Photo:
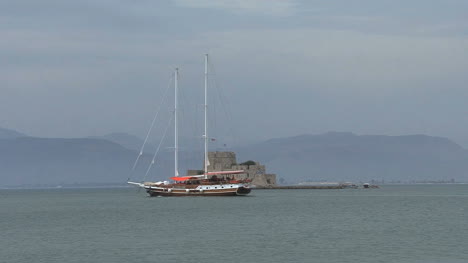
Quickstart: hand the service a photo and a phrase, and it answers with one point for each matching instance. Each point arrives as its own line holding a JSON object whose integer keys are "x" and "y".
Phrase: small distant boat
{"x": 218, "y": 183}
{"x": 367, "y": 185}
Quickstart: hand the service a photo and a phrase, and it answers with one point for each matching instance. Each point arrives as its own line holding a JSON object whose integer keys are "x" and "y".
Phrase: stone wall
{"x": 226, "y": 161}
{"x": 221, "y": 161}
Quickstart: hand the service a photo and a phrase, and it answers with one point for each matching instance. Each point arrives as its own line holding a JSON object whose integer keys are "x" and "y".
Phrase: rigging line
{"x": 219, "y": 92}
{"x": 214, "y": 104}
{"x": 225, "y": 105}
{"x": 184, "y": 116}
{"x": 151, "y": 127}
{"x": 188, "y": 125}
{"x": 214, "y": 114}
{"x": 159, "y": 147}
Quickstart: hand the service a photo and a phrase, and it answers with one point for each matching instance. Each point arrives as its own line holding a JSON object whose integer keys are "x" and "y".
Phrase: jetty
{"x": 303, "y": 187}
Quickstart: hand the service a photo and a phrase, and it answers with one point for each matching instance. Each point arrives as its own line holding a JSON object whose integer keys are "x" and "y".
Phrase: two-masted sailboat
{"x": 213, "y": 183}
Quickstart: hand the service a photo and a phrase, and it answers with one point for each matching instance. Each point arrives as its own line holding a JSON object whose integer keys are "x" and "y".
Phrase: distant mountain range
{"x": 41, "y": 161}
{"x": 10, "y": 134}
{"x": 128, "y": 141}
{"x": 338, "y": 156}
{"x": 331, "y": 156}
{"x": 32, "y": 161}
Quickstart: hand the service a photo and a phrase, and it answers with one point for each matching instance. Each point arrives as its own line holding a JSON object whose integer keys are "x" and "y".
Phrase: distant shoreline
{"x": 301, "y": 187}
{"x": 282, "y": 187}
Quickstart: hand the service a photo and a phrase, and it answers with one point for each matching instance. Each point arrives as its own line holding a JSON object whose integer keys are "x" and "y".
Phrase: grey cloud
{"x": 261, "y": 7}
{"x": 79, "y": 68}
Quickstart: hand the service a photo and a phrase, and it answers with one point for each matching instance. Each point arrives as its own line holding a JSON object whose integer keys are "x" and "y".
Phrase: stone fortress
{"x": 226, "y": 161}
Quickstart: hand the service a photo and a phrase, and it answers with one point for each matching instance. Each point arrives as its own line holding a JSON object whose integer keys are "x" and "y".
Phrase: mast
{"x": 176, "y": 146}
{"x": 205, "y": 136}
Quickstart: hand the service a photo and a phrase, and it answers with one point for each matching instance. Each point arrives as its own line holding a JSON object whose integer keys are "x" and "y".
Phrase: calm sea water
{"x": 407, "y": 224}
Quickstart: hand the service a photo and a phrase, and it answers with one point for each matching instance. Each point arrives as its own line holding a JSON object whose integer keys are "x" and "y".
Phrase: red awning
{"x": 183, "y": 178}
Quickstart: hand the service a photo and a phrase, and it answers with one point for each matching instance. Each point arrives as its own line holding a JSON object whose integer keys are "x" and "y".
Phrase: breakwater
{"x": 303, "y": 187}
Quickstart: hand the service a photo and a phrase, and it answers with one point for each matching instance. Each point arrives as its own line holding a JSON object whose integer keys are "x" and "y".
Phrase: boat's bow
{"x": 137, "y": 184}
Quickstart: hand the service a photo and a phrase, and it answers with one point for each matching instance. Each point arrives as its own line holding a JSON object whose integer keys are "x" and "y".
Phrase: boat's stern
{"x": 243, "y": 190}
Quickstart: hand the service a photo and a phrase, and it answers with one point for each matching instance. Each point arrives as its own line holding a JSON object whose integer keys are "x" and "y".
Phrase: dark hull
{"x": 226, "y": 192}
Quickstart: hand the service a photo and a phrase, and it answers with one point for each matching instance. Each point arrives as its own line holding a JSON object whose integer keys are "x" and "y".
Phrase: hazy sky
{"x": 91, "y": 67}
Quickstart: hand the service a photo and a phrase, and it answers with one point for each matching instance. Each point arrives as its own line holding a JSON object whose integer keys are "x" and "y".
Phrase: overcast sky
{"x": 91, "y": 67}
